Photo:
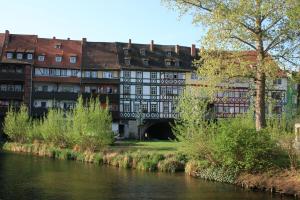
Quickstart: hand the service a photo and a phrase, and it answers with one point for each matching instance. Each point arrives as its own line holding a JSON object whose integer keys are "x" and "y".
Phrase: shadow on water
{"x": 28, "y": 177}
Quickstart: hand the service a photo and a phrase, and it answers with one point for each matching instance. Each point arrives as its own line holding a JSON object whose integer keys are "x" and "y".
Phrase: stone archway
{"x": 160, "y": 130}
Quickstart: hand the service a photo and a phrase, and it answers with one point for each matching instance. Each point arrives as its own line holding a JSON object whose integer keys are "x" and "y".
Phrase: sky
{"x": 100, "y": 20}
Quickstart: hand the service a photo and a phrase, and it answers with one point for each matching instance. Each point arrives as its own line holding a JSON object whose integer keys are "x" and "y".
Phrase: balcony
{"x": 55, "y": 95}
{"x": 38, "y": 112}
{"x": 100, "y": 80}
{"x": 5, "y": 76}
{"x": 11, "y": 95}
{"x": 113, "y": 98}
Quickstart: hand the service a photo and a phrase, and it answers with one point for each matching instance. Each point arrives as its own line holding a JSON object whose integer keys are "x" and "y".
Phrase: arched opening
{"x": 160, "y": 131}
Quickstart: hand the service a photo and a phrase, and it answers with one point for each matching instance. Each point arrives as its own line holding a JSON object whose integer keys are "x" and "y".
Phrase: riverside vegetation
{"x": 230, "y": 150}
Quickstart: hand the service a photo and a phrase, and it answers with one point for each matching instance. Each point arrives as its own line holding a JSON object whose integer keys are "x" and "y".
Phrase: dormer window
{"x": 168, "y": 62}
{"x": 126, "y": 51}
{"x": 9, "y": 55}
{"x": 58, "y": 58}
{"x": 57, "y": 46}
{"x": 41, "y": 58}
{"x": 73, "y": 59}
{"x": 143, "y": 52}
{"x": 29, "y": 56}
{"x": 146, "y": 62}
{"x": 169, "y": 53}
{"x": 127, "y": 61}
{"x": 19, "y": 56}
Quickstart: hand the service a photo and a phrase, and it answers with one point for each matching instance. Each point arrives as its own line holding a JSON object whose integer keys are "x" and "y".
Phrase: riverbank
{"x": 283, "y": 182}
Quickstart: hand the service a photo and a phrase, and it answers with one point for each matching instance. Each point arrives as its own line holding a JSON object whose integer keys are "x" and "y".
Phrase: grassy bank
{"x": 165, "y": 157}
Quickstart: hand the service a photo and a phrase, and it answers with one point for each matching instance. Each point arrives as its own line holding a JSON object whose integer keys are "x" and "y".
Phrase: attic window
{"x": 168, "y": 62}
{"x": 57, "y": 46}
{"x": 19, "y": 56}
{"x": 127, "y": 61}
{"x": 146, "y": 62}
{"x": 126, "y": 51}
{"x": 9, "y": 55}
{"x": 41, "y": 58}
{"x": 58, "y": 58}
{"x": 169, "y": 53}
{"x": 72, "y": 59}
{"x": 29, "y": 56}
{"x": 143, "y": 52}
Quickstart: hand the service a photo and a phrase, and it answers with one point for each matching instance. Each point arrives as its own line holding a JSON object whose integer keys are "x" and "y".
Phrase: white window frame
{"x": 29, "y": 56}
{"x": 9, "y": 55}
{"x": 126, "y": 107}
{"x": 126, "y": 74}
{"x": 107, "y": 74}
{"x": 19, "y": 56}
{"x": 73, "y": 59}
{"x": 41, "y": 58}
{"x": 58, "y": 59}
{"x": 139, "y": 74}
{"x": 139, "y": 90}
{"x": 153, "y": 90}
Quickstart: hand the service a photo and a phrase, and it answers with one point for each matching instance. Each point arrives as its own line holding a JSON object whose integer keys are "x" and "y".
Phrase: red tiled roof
{"x": 68, "y": 48}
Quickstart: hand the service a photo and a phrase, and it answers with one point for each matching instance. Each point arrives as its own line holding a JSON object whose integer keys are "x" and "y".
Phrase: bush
{"x": 17, "y": 124}
{"x": 239, "y": 146}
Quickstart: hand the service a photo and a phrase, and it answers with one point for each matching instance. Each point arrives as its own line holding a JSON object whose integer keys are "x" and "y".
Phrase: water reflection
{"x": 29, "y": 177}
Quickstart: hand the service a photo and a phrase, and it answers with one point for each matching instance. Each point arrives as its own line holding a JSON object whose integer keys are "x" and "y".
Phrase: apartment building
{"x": 140, "y": 83}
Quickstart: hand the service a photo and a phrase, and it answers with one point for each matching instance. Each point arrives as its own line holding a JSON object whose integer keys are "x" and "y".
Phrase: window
{"x": 107, "y": 75}
{"x": 44, "y": 71}
{"x": 19, "y": 56}
{"x": 41, "y": 58}
{"x": 194, "y": 76}
{"x": 19, "y": 70}
{"x": 166, "y": 107}
{"x": 136, "y": 107}
{"x": 94, "y": 74}
{"x": 277, "y": 81}
{"x": 144, "y": 108}
{"x": 153, "y": 90}
{"x": 153, "y": 75}
{"x": 58, "y": 58}
{"x": 138, "y": 90}
{"x": 64, "y": 72}
{"x": 153, "y": 108}
{"x": 126, "y": 51}
{"x": 126, "y": 74}
{"x": 9, "y": 55}
{"x": 169, "y": 53}
{"x": 52, "y": 72}
{"x": 127, "y": 61}
{"x": 163, "y": 91}
{"x": 126, "y": 107}
{"x": 73, "y": 59}
{"x": 57, "y": 46}
{"x": 139, "y": 74}
{"x": 177, "y": 63}
{"x": 45, "y": 88}
{"x": 276, "y": 95}
{"x": 87, "y": 74}
{"x": 146, "y": 62}
{"x": 109, "y": 90}
{"x": 143, "y": 52}
{"x": 169, "y": 90}
{"x": 74, "y": 72}
{"x": 126, "y": 89}
{"x": 43, "y": 104}
{"x": 29, "y": 56}
{"x": 168, "y": 63}
{"x": 3, "y": 87}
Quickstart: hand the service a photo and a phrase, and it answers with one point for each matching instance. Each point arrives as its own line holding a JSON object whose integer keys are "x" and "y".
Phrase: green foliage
{"x": 17, "y": 124}
{"x": 239, "y": 146}
{"x": 88, "y": 126}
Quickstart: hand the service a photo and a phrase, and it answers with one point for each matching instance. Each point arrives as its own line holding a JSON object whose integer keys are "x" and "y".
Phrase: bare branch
{"x": 197, "y": 5}
{"x": 243, "y": 41}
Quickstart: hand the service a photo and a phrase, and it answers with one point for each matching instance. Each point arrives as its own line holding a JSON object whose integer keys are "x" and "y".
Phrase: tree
{"x": 240, "y": 30}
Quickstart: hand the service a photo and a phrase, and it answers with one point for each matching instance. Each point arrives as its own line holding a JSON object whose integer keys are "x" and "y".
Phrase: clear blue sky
{"x": 99, "y": 20}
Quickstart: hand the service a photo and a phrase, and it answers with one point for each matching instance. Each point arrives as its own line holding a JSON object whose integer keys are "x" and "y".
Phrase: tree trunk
{"x": 260, "y": 115}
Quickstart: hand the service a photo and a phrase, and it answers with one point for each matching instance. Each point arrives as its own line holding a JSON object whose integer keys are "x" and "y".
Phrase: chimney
{"x": 68, "y": 38}
{"x": 6, "y": 37}
{"x": 129, "y": 43}
{"x": 152, "y": 45}
{"x": 54, "y": 37}
{"x": 84, "y": 40}
{"x": 177, "y": 49}
{"x": 193, "y": 50}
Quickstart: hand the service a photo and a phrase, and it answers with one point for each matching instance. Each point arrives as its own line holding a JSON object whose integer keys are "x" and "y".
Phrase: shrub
{"x": 17, "y": 124}
{"x": 239, "y": 146}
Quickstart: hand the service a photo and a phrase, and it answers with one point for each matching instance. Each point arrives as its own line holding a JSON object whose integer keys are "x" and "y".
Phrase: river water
{"x": 29, "y": 177}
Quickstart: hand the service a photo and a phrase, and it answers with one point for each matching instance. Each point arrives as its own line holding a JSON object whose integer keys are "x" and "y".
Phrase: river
{"x": 24, "y": 177}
